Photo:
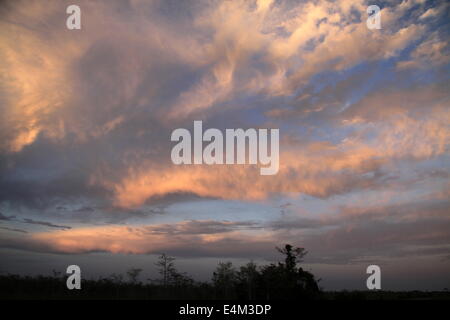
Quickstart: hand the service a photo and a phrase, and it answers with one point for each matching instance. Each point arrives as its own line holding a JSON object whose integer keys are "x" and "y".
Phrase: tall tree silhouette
{"x": 166, "y": 268}
{"x": 293, "y": 256}
{"x": 224, "y": 280}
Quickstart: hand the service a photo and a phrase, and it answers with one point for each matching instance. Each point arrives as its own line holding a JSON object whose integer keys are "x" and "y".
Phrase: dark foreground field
{"x": 42, "y": 288}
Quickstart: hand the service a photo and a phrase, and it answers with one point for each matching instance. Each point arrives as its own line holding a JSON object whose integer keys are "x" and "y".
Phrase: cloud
{"x": 44, "y": 223}
{"x": 14, "y": 229}
{"x": 433, "y": 52}
{"x": 414, "y": 229}
{"x": 430, "y": 13}
{"x": 319, "y": 169}
{"x": 192, "y": 238}
{"x": 64, "y": 107}
{"x": 199, "y": 227}
{"x": 411, "y": 229}
{"x": 31, "y": 221}
{"x": 6, "y": 218}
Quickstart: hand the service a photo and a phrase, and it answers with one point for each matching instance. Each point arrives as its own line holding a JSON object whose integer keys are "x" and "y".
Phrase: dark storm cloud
{"x": 31, "y": 221}
{"x": 44, "y": 223}
{"x": 6, "y": 218}
{"x": 14, "y": 229}
{"x": 46, "y": 172}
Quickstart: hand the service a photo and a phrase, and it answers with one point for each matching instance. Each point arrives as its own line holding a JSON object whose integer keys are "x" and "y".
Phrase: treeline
{"x": 283, "y": 280}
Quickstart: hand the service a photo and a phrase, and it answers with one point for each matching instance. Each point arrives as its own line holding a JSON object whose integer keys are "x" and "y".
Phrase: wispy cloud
{"x": 31, "y": 221}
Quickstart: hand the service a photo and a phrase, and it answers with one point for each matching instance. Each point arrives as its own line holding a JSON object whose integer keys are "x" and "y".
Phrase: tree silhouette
{"x": 287, "y": 280}
{"x": 169, "y": 274}
{"x": 133, "y": 274}
{"x": 248, "y": 276}
{"x": 166, "y": 268}
{"x": 224, "y": 280}
{"x": 281, "y": 280}
{"x": 293, "y": 256}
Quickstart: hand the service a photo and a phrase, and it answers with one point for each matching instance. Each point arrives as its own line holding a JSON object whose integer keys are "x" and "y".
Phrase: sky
{"x": 86, "y": 175}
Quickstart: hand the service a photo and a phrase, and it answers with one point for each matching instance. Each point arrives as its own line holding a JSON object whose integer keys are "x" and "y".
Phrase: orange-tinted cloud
{"x": 148, "y": 239}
